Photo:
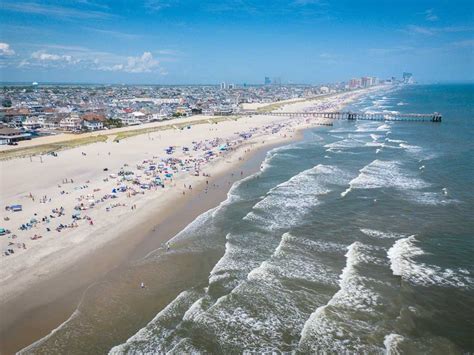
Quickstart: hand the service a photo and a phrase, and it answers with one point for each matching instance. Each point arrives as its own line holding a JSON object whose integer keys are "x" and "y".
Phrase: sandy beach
{"x": 106, "y": 197}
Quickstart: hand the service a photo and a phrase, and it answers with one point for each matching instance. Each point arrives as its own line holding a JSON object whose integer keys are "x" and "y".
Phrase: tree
{"x": 7, "y": 103}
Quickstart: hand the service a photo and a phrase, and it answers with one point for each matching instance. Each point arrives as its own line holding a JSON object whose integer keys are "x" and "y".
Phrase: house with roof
{"x": 31, "y": 123}
{"x": 53, "y": 122}
{"x": 11, "y": 135}
{"x": 93, "y": 121}
{"x": 72, "y": 123}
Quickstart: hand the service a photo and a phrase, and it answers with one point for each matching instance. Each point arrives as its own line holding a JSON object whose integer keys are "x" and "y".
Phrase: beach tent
{"x": 16, "y": 208}
{"x": 3, "y": 231}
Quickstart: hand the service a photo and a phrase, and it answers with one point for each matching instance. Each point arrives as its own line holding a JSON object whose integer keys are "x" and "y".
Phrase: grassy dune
{"x": 50, "y": 147}
{"x": 132, "y": 133}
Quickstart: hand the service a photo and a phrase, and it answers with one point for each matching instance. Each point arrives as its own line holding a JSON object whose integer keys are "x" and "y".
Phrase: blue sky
{"x": 240, "y": 41}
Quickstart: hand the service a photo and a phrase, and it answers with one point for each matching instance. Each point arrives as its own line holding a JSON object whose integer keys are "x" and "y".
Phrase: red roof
{"x": 93, "y": 117}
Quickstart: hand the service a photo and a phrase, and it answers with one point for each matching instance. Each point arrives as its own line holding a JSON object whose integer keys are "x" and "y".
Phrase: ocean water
{"x": 357, "y": 239}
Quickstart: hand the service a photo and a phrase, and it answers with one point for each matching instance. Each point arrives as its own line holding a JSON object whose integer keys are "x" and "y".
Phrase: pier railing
{"x": 374, "y": 116}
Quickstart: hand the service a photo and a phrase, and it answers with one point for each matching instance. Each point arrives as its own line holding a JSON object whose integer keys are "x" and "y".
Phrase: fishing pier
{"x": 352, "y": 116}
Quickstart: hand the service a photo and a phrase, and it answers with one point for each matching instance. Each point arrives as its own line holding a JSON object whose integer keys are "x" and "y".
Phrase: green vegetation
{"x": 132, "y": 133}
{"x": 50, "y": 147}
{"x": 177, "y": 125}
{"x": 276, "y": 106}
{"x": 7, "y": 103}
{"x": 54, "y": 147}
{"x": 113, "y": 123}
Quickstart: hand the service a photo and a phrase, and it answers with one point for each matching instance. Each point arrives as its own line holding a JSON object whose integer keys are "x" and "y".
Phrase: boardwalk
{"x": 382, "y": 116}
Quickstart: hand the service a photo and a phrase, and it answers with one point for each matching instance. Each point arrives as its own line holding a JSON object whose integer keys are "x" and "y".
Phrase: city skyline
{"x": 175, "y": 42}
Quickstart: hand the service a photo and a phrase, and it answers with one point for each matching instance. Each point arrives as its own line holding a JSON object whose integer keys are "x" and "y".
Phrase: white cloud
{"x": 306, "y": 2}
{"x": 171, "y": 52}
{"x": 116, "y": 34}
{"x": 5, "y": 49}
{"x": 429, "y": 31}
{"x": 82, "y": 58}
{"x": 420, "y": 30}
{"x": 157, "y": 5}
{"x": 142, "y": 64}
{"x": 45, "y": 56}
{"x": 50, "y": 57}
{"x": 430, "y": 15}
{"x": 53, "y": 11}
{"x": 465, "y": 44}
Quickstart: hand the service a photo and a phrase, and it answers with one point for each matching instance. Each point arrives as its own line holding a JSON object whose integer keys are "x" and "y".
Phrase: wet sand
{"x": 35, "y": 314}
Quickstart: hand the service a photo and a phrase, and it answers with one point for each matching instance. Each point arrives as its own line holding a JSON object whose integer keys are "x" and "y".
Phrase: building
{"x": 93, "y": 121}
{"x": 223, "y": 85}
{"x": 408, "y": 78}
{"x": 72, "y": 123}
{"x": 31, "y": 123}
{"x": 324, "y": 90}
{"x": 366, "y": 81}
{"x": 355, "y": 83}
{"x": 12, "y": 135}
{"x": 129, "y": 120}
{"x": 53, "y": 122}
{"x": 267, "y": 81}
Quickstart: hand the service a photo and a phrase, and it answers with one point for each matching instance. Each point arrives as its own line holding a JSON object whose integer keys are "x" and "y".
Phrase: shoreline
{"x": 163, "y": 230}
{"x": 68, "y": 278}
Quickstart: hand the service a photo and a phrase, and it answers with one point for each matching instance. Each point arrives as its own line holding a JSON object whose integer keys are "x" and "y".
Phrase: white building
{"x": 71, "y": 123}
{"x": 32, "y": 123}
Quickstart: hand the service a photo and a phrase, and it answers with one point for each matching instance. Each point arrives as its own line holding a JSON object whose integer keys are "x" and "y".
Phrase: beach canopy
{"x": 2, "y": 231}
{"x": 16, "y": 208}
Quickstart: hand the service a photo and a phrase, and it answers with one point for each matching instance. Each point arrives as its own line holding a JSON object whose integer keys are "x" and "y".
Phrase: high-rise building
{"x": 223, "y": 86}
{"x": 366, "y": 81}
{"x": 267, "y": 81}
{"x": 408, "y": 78}
{"x": 355, "y": 83}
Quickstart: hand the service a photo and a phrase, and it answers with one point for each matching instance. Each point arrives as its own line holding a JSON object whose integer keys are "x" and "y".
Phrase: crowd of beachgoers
{"x": 72, "y": 206}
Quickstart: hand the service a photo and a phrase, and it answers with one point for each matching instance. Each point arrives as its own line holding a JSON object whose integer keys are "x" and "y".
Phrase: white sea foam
{"x": 367, "y": 126}
{"x": 395, "y": 140}
{"x": 294, "y": 259}
{"x": 403, "y": 255}
{"x": 332, "y": 327}
{"x": 392, "y": 342}
{"x": 382, "y": 235}
{"x": 284, "y": 206}
{"x": 288, "y": 202}
{"x": 385, "y": 127}
{"x": 385, "y": 174}
{"x": 348, "y": 143}
{"x": 430, "y": 198}
{"x": 375, "y": 136}
{"x": 158, "y": 336}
